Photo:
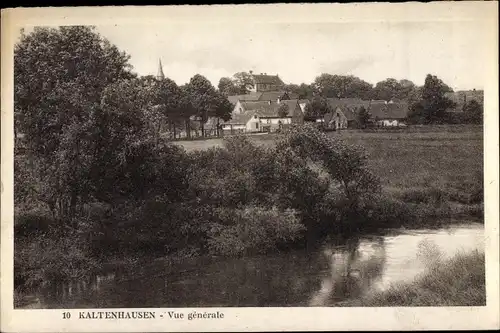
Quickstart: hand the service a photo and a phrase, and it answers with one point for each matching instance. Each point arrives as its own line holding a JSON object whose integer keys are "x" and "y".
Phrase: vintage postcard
{"x": 250, "y": 168}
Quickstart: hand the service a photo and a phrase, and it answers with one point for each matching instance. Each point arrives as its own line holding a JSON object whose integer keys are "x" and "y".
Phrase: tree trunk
{"x": 72, "y": 208}
{"x": 188, "y": 128}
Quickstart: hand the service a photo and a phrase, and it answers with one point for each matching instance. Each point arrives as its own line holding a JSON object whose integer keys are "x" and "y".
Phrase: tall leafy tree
{"x": 186, "y": 110}
{"x": 228, "y": 87}
{"x": 203, "y": 97}
{"x": 387, "y": 89}
{"x": 60, "y": 75}
{"x": 432, "y": 106}
{"x": 223, "y": 110}
{"x": 243, "y": 81}
{"x": 363, "y": 117}
{"x": 168, "y": 101}
{"x": 393, "y": 89}
{"x": 340, "y": 86}
{"x": 473, "y": 112}
{"x": 304, "y": 91}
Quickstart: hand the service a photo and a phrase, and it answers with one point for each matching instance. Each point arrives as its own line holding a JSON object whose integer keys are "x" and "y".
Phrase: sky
{"x": 300, "y": 51}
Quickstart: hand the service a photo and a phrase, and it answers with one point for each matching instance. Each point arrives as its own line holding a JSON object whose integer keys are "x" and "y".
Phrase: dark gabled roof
{"x": 266, "y": 109}
{"x": 378, "y": 110}
{"x": 267, "y": 79}
{"x": 293, "y": 106}
{"x": 388, "y": 111}
{"x": 397, "y": 110}
{"x": 272, "y": 95}
{"x": 241, "y": 118}
{"x": 253, "y": 96}
{"x": 348, "y": 102}
{"x": 349, "y": 112}
{"x": 254, "y": 105}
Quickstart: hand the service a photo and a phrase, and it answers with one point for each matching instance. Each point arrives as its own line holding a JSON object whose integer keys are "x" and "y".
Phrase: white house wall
{"x": 253, "y": 125}
{"x": 238, "y": 108}
{"x": 389, "y": 123}
{"x": 275, "y": 121}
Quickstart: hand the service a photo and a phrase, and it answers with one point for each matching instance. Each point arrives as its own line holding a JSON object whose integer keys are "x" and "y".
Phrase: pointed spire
{"x": 160, "y": 75}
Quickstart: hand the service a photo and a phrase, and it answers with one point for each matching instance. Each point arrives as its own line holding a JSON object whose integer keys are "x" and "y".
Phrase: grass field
{"x": 458, "y": 281}
{"x": 428, "y": 165}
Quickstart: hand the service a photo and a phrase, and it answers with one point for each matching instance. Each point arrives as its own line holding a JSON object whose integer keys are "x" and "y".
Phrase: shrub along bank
{"x": 239, "y": 199}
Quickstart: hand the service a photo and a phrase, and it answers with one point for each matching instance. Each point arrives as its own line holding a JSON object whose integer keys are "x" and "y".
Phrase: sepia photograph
{"x": 250, "y": 162}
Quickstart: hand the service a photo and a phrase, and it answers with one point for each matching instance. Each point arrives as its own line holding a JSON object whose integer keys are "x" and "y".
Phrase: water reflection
{"x": 352, "y": 271}
{"x": 326, "y": 277}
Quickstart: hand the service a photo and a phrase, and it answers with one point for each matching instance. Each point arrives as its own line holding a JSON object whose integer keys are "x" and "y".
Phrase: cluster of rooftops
{"x": 267, "y": 104}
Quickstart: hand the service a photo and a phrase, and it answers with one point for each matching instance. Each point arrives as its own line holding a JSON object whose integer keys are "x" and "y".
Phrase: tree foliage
{"x": 432, "y": 106}
{"x": 318, "y": 107}
{"x": 243, "y": 81}
{"x": 473, "y": 112}
{"x": 303, "y": 91}
{"x": 363, "y": 117}
{"x": 227, "y": 87}
{"x": 59, "y": 77}
{"x": 283, "y": 110}
{"x": 340, "y": 86}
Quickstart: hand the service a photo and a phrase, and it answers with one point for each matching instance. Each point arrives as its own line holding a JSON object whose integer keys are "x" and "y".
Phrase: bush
{"x": 347, "y": 165}
{"x": 253, "y": 230}
{"x": 428, "y": 195}
{"x": 51, "y": 257}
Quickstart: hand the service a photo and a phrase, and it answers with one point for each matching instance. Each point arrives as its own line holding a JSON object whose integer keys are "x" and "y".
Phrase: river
{"x": 323, "y": 277}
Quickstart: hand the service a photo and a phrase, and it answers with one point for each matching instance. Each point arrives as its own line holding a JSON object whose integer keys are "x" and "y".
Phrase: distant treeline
{"x": 433, "y": 102}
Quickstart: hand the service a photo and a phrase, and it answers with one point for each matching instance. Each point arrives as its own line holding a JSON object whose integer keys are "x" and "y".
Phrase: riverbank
{"x": 247, "y": 199}
{"x": 458, "y": 281}
{"x": 293, "y": 278}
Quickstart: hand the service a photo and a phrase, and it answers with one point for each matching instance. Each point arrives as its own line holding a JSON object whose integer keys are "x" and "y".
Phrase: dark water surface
{"x": 299, "y": 278}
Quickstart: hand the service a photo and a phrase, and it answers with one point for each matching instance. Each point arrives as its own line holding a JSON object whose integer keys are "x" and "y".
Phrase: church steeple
{"x": 160, "y": 75}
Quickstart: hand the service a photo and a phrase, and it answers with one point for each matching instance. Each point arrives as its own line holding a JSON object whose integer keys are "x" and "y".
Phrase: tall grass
{"x": 457, "y": 281}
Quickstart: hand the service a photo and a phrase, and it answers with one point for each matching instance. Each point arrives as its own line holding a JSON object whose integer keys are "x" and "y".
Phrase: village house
{"x": 389, "y": 114}
{"x": 268, "y": 96}
{"x": 341, "y": 117}
{"x": 303, "y": 104}
{"x": 264, "y": 117}
{"x": 263, "y": 82}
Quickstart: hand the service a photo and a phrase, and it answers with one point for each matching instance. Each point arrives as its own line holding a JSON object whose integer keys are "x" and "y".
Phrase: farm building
{"x": 264, "y": 117}
{"x": 340, "y": 118}
{"x": 263, "y": 82}
{"x": 389, "y": 114}
{"x": 303, "y": 103}
{"x": 268, "y": 96}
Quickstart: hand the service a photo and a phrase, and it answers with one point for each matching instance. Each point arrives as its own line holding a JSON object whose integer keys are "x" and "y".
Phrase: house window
{"x": 256, "y": 125}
